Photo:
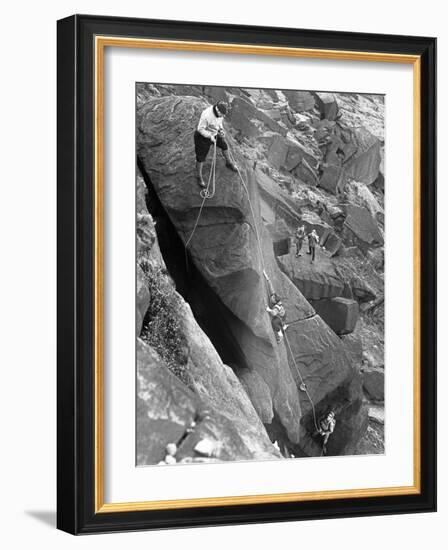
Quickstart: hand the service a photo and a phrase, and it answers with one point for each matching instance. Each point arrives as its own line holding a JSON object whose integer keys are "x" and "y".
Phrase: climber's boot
{"x": 199, "y": 174}
{"x": 229, "y": 163}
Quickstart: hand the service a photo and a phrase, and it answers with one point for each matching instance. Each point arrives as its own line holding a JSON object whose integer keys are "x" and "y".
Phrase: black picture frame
{"x": 76, "y": 264}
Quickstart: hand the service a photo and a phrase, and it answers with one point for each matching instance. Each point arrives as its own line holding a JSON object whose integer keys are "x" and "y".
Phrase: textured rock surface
{"x": 169, "y": 412}
{"x": 365, "y": 165}
{"x": 244, "y": 117}
{"x": 315, "y": 281}
{"x": 327, "y": 105}
{"x": 166, "y": 406}
{"x": 225, "y": 251}
{"x": 300, "y": 101}
{"x": 360, "y": 222}
{"x": 373, "y": 383}
{"x": 341, "y": 314}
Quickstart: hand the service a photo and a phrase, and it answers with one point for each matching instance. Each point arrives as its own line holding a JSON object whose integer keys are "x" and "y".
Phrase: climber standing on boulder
{"x": 313, "y": 240}
{"x": 298, "y": 238}
{"x": 276, "y": 311}
{"x": 209, "y": 131}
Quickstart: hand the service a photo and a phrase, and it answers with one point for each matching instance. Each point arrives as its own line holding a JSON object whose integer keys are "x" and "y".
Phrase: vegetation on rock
{"x": 161, "y": 326}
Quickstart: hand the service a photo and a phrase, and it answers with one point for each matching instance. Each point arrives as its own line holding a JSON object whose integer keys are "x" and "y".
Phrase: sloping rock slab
{"x": 315, "y": 281}
{"x": 169, "y": 412}
{"x": 365, "y": 164}
{"x": 165, "y": 407}
{"x": 332, "y": 179}
{"x": 243, "y": 113}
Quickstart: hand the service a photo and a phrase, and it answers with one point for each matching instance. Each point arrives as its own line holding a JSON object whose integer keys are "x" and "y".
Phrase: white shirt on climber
{"x": 209, "y": 123}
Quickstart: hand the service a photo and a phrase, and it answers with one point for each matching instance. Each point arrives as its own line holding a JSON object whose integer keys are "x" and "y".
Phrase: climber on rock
{"x": 313, "y": 240}
{"x": 276, "y": 311}
{"x": 327, "y": 425}
{"x": 298, "y": 238}
{"x": 210, "y": 131}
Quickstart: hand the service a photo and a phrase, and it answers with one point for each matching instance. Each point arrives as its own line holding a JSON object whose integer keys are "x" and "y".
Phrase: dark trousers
{"x": 202, "y": 145}
{"x": 312, "y": 252}
{"x": 277, "y": 323}
{"x": 299, "y": 243}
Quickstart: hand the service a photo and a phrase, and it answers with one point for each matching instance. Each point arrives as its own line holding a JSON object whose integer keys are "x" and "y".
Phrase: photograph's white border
{"x": 125, "y": 482}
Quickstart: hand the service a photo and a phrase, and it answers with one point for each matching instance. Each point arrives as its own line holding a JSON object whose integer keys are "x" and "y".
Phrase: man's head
{"x": 221, "y": 108}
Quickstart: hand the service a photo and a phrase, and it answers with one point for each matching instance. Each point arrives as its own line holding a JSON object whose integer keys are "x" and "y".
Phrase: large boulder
{"x": 327, "y": 105}
{"x": 332, "y": 178}
{"x": 332, "y": 244}
{"x": 230, "y": 248}
{"x": 215, "y": 386}
{"x": 360, "y": 223}
{"x": 365, "y": 163}
{"x": 166, "y": 408}
{"x": 341, "y": 314}
{"x": 285, "y": 153}
{"x": 360, "y": 194}
{"x": 315, "y": 281}
{"x": 373, "y": 383}
{"x": 358, "y": 149}
{"x": 300, "y": 101}
{"x": 170, "y": 412}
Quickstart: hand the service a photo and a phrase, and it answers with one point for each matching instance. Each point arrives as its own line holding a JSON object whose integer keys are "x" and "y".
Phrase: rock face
{"x": 314, "y": 281}
{"x": 327, "y": 105}
{"x": 246, "y": 118}
{"x": 341, "y": 314}
{"x": 169, "y": 412}
{"x": 373, "y": 382}
{"x": 300, "y": 101}
{"x": 365, "y": 166}
{"x": 361, "y": 224}
{"x": 213, "y": 401}
{"x": 230, "y": 248}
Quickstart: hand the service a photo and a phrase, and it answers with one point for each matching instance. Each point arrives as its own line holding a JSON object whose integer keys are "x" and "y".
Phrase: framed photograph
{"x": 246, "y": 274}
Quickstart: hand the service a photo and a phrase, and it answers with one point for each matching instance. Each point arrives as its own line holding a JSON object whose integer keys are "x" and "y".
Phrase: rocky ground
{"x": 213, "y": 383}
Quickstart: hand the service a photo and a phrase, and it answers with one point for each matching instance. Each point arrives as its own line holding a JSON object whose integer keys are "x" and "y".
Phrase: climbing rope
{"x": 205, "y": 194}
{"x": 251, "y": 209}
{"x": 303, "y": 386}
{"x": 302, "y": 382}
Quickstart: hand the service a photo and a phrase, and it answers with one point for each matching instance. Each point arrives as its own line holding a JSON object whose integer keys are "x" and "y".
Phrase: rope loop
{"x": 205, "y": 194}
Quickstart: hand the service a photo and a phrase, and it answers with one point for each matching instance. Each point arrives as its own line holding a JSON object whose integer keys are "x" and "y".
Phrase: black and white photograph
{"x": 260, "y": 237}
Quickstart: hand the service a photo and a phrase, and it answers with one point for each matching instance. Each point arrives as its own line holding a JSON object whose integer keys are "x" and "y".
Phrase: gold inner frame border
{"x": 100, "y": 43}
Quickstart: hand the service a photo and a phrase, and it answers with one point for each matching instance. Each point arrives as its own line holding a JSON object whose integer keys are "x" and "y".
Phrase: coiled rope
{"x": 205, "y": 194}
